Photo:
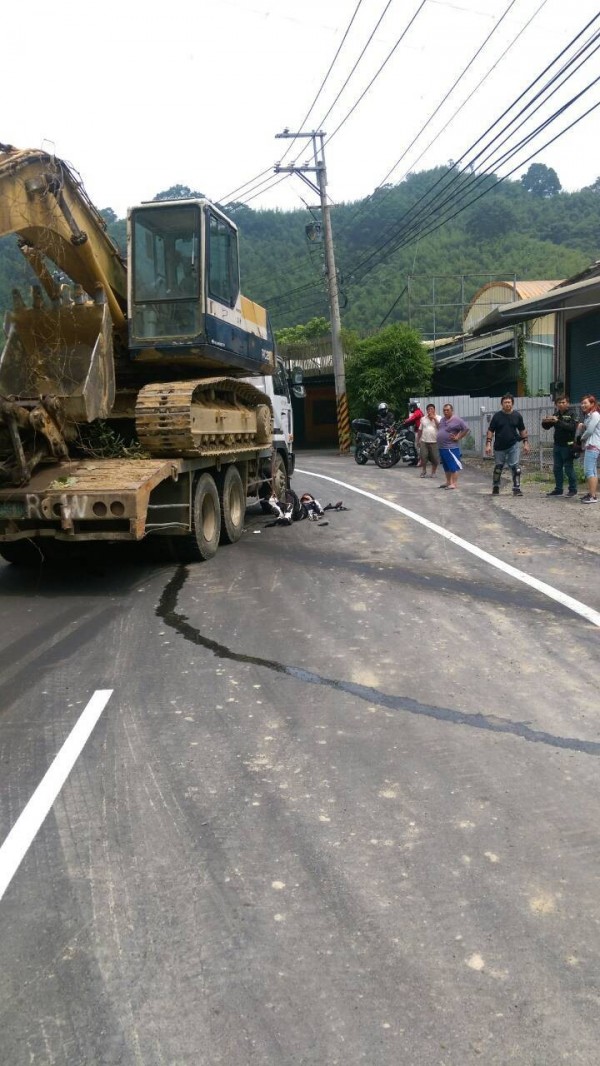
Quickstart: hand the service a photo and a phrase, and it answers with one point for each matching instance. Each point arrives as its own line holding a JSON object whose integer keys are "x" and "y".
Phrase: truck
{"x": 159, "y": 354}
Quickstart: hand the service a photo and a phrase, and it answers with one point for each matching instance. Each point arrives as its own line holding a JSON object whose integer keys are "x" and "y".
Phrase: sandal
{"x": 422, "y": 475}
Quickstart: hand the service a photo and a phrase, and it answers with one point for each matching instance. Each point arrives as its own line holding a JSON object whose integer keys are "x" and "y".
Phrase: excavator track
{"x": 211, "y": 416}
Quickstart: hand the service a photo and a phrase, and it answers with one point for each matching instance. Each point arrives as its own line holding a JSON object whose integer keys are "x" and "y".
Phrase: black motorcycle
{"x": 366, "y": 443}
{"x": 399, "y": 446}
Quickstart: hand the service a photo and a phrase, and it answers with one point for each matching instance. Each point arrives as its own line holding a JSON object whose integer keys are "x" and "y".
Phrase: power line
{"x": 378, "y": 72}
{"x": 504, "y": 177}
{"x": 446, "y": 177}
{"x": 404, "y": 234}
{"x": 229, "y": 196}
{"x": 450, "y": 179}
{"x": 374, "y": 31}
{"x": 266, "y": 189}
{"x": 364, "y": 209}
{"x": 324, "y": 81}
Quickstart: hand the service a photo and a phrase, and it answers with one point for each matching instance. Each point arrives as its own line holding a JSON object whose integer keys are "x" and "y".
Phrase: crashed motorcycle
{"x": 399, "y": 446}
{"x": 366, "y": 443}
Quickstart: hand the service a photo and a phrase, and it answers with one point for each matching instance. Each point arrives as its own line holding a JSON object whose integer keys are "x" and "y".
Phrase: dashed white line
{"x": 23, "y": 832}
{"x": 526, "y": 579}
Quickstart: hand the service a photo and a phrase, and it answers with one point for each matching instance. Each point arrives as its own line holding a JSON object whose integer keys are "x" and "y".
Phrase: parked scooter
{"x": 366, "y": 442}
{"x": 399, "y": 446}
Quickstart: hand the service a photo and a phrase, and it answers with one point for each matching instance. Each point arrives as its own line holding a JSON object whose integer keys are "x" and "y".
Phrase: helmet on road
{"x": 413, "y": 407}
{"x": 382, "y": 409}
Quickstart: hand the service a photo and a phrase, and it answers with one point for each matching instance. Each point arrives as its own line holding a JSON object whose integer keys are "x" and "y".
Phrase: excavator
{"x": 163, "y": 342}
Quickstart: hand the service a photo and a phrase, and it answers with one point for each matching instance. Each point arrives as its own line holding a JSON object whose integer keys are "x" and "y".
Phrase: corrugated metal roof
{"x": 525, "y": 290}
{"x": 495, "y": 293}
{"x": 552, "y": 299}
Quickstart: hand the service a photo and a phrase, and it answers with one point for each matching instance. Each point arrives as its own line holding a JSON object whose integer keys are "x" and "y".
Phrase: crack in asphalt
{"x": 167, "y": 610}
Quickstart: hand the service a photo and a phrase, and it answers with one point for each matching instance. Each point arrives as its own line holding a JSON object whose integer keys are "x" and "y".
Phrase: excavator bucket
{"x": 65, "y": 353}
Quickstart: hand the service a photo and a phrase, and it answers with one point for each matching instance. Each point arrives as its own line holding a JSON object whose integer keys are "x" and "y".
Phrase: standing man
{"x": 564, "y": 423}
{"x": 451, "y": 431}
{"x": 507, "y": 430}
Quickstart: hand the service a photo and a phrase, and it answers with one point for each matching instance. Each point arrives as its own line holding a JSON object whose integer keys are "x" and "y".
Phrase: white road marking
{"x": 547, "y": 590}
{"x": 23, "y": 832}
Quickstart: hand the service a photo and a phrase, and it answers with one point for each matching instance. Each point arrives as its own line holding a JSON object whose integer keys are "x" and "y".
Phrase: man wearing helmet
{"x": 385, "y": 417}
{"x": 413, "y": 422}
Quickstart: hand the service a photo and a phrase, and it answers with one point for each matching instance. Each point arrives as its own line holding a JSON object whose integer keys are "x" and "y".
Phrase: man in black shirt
{"x": 507, "y": 429}
{"x": 564, "y": 423}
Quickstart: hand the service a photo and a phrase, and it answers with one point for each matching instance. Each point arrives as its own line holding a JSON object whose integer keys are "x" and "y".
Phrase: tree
{"x": 389, "y": 366}
{"x": 315, "y": 327}
{"x": 541, "y": 181}
{"x": 179, "y": 192}
{"x": 490, "y": 220}
{"x": 108, "y": 215}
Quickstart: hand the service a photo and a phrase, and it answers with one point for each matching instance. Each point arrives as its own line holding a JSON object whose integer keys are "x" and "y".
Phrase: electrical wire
{"x": 447, "y": 177}
{"x": 373, "y": 32}
{"x": 260, "y": 192}
{"x": 504, "y": 177}
{"x": 324, "y": 81}
{"x": 229, "y": 196}
{"x": 403, "y": 236}
{"x": 378, "y": 72}
{"x": 364, "y": 209}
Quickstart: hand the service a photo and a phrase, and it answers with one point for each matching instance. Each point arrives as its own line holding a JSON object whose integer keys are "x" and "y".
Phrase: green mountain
{"x": 434, "y": 223}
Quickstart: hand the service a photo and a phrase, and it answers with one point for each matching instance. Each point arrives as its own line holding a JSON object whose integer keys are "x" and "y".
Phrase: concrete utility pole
{"x": 320, "y": 187}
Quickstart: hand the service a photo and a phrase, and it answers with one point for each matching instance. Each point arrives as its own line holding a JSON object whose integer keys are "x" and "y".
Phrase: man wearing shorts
{"x": 507, "y": 430}
{"x": 451, "y": 431}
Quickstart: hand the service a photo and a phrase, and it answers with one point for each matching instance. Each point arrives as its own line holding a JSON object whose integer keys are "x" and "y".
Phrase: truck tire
{"x": 233, "y": 505}
{"x": 280, "y": 477}
{"x": 22, "y": 553}
{"x": 202, "y": 543}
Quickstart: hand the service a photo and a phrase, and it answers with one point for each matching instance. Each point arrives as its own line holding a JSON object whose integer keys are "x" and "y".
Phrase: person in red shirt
{"x": 414, "y": 417}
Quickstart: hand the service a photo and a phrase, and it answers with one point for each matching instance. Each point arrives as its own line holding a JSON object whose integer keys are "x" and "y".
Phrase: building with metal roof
{"x": 575, "y": 306}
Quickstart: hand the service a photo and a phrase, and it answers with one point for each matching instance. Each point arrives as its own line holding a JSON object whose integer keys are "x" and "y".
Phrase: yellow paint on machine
{"x": 254, "y": 313}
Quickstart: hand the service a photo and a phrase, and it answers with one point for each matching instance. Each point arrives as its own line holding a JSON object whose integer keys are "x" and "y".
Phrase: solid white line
{"x": 547, "y": 590}
{"x": 29, "y": 821}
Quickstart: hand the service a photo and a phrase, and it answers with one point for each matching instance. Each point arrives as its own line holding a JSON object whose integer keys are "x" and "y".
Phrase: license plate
{"x": 12, "y": 509}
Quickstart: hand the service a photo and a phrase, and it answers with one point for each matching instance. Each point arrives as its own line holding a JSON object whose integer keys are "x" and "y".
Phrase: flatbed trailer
{"x": 195, "y": 503}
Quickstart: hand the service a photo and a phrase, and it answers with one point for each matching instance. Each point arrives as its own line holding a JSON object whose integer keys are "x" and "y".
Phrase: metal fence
{"x": 477, "y": 412}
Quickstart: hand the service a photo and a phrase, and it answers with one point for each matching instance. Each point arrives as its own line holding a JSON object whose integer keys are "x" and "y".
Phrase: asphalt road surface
{"x": 341, "y": 807}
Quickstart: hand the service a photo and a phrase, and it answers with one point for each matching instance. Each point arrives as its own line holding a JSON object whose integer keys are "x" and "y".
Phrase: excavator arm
{"x": 57, "y": 365}
{"x": 43, "y": 201}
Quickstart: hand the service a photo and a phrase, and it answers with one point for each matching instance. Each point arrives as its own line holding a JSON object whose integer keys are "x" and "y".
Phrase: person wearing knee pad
{"x": 507, "y": 431}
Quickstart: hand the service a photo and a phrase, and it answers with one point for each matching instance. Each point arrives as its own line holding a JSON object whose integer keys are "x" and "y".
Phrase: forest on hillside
{"x": 434, "y": 223}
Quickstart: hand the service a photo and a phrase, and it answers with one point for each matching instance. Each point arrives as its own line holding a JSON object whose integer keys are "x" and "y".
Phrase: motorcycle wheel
{"x": 384, "y": 459}
{"x": 361, "y": 456}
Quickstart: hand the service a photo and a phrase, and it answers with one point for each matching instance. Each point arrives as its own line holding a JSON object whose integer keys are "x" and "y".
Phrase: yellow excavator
{"x": 164, "y": 341}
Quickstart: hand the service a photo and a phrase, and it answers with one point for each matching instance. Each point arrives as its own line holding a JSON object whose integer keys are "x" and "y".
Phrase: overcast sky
{"x": 140, "y": 96}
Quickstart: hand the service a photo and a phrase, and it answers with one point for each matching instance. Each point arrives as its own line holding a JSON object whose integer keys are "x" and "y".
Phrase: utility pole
{"x": 319, "y": 186}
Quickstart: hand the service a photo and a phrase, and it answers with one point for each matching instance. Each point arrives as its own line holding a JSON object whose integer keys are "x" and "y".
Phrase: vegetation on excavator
{"x": 100, "y": 440}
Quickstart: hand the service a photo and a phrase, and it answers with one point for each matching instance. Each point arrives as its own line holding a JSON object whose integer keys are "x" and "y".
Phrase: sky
{"x": 142, "y": 96}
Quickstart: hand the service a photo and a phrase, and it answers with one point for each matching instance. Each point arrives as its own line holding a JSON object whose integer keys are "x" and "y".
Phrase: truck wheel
{"x": 280, "y": 478}
{"x": 203, "y": 541}
{"x": 233, "y": 505}
{"x": 22, "y": 553}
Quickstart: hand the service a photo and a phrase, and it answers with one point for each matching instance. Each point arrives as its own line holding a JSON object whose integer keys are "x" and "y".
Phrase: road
{"x": 341, "y": 807}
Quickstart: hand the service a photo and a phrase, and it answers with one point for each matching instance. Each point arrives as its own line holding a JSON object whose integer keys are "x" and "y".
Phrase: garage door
{"x": 583, "y": 347}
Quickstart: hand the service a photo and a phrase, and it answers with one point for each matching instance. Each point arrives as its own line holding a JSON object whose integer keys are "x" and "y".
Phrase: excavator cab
{"x": 185, "y": 304}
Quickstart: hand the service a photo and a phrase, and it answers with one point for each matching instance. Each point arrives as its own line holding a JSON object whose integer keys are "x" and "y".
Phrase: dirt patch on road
{"x": 558, "y": 515}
